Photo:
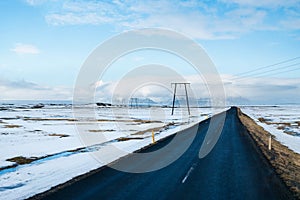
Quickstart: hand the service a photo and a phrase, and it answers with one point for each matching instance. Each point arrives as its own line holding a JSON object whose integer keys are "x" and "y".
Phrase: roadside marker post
{"x": 270, "y": 143}
{"x": 153, "y": 137}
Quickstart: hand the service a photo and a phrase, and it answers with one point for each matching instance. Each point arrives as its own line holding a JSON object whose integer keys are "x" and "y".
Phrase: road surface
{"x": 234, "y": 169}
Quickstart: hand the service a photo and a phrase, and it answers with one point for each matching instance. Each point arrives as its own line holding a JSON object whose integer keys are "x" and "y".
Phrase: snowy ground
{"x": 41, "y": 148}
{"x": 281, "y": 121}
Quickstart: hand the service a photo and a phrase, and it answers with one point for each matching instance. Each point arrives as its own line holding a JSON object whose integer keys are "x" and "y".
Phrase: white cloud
{"x": 25, "y": 90}
{"x": 224, "y": 19}
{"x": 35, "y": 2}
{"x": 25, "y": 49}
{"x": 265, "y": 3}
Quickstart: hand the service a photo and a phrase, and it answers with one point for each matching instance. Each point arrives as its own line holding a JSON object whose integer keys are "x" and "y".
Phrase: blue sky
{"x": 45, "y": 42}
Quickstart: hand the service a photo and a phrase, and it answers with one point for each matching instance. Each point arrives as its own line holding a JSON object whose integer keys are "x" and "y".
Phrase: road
{"x": 234, "y": 169}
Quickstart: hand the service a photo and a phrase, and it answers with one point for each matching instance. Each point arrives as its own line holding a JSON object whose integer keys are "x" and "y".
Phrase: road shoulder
{"x": 285, "y": 161}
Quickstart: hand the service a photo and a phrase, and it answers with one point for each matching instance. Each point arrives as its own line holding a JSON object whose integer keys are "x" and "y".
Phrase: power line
{"x": 265, "y": 72}
{"x": 268, "y": 66}
{"x": 279, "y": 72}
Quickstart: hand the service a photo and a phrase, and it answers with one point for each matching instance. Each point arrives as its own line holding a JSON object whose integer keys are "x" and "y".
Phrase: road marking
{"x": 188, "y": 173}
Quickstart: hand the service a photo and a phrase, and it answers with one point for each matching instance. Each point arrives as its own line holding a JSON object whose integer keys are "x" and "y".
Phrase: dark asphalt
{"x": 234, "y": 169}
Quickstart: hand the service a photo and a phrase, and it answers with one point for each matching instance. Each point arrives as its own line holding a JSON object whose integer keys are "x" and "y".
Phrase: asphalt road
{"x": 234, "y": 169}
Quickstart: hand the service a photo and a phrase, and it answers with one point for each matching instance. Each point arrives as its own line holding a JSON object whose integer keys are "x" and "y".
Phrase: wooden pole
{"x": 153, "y": 138}
{"x": 270, "y": 143}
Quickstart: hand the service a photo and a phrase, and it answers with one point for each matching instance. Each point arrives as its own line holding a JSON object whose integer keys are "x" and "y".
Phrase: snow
{"x": 63, "y": 158}
{"x": 281, "y": 121}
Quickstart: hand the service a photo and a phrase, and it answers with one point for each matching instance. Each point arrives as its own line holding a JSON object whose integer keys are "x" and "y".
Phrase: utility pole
{"x": 186, "y": 96}
{"x": 134, "y": 101}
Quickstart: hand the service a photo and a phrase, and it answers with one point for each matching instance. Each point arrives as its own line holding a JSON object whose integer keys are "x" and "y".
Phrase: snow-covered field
{"x": 41, "y": 148}
{"x": 281, "y": 121}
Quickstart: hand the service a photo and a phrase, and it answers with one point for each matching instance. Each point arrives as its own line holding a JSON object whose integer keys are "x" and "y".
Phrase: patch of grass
{"x": 12, "y": 126}
{"x": 289, "y": 132}
{"x": 156, "y": 129}
{"x": 121, "y": 139}
{"x": 126, "y": 120}
{"x": 49, "y": 119}
{"x": 72, "y": 120}
{"x": 145, "y": 121}
{"x": 282, "y": 123}
{"x": 59, "y": 135}
{"x": 37, "y": 130}
{"x": 22, "y": 160}
{"x": 9, "y": 118}
{"x": 101, "y": 131}
{"x": 263, "y": 120}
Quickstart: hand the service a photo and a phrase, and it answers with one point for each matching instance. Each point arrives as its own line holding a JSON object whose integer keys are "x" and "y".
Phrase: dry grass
{"x": 146, "y": 121}
{"x": 49, "y": 119}
{"x": 263, "y": 120}
{"x": 282, "y": 123}
{"x": 12, "y": 126}
{"x": 22, "y": 160}
{"x": 59, "y": 135}
{"x": 9, "y": 118}
{"x": 121, "y": 139}
{"x": 129, "y": 121}
{"x": 289, "y": 132}
{"x": 156, "y": 129}
{"x": 281, "y": 127}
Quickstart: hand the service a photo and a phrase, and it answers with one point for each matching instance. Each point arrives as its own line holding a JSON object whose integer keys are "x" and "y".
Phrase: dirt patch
{"x": 20, "y": 160}
{"x": 59, "y": 135}
{"x": 285, "y": 161}
{"x": 12, "y": 126}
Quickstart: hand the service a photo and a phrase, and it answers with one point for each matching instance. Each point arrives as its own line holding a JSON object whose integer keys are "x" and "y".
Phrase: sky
{"x": 44, "y": 44}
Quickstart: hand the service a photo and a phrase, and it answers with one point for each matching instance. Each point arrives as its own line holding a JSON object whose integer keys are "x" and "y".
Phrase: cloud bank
{"x": 248, "y": 91}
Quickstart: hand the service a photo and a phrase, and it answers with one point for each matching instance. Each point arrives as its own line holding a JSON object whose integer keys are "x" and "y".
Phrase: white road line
{"x": 188, "y": 173}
